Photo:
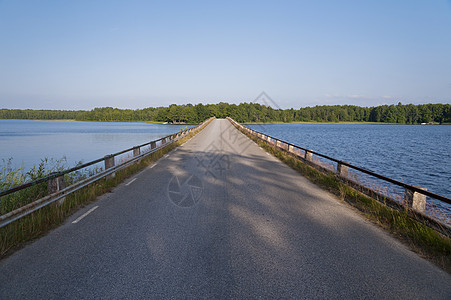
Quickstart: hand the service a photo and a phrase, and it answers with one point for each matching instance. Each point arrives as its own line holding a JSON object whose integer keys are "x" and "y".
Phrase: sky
{"x": 136, "y": 54}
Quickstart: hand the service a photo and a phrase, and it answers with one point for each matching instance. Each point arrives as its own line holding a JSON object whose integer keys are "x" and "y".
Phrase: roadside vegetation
{"x": 36, "y": 224}
{"x": 250, "y": 113}
{"x": 420, "y": 238}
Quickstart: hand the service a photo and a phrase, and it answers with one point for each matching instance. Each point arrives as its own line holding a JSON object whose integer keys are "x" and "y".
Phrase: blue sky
{"x": 136, "y": 54}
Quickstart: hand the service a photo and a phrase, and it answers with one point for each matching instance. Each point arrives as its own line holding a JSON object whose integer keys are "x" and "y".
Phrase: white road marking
{"x": 131, "y": 181}
{"x": 267, "y": 153}
{"x": 153, "y": 166}
{"x": 167, "y": 155}
{"x": 85, "y": 214}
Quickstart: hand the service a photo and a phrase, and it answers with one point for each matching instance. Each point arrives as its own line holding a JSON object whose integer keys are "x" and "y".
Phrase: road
{"x": 219, "y": 218}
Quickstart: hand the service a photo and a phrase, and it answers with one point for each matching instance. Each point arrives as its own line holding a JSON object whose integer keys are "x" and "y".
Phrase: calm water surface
{"x": 414, "y": 154}
{"x": 27, "y": 142}
{"x": 419, "y": 155}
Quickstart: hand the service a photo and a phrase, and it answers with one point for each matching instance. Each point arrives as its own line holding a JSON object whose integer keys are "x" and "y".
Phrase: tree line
{"x": 248, "y": 112}
{"x": 30, "y": 114}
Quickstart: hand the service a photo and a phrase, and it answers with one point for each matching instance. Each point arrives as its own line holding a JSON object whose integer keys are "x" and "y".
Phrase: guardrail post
{"x": 342, "y": 170}
{"x": 415, "y": 200}
{"x": 163, "y": 141}
{"x": 136, "y": 151}
{"x": 308, "y": 156}
{"x": 109, "y": 163}
{"x": 298, "y": 152}
{"x": 153, "y": 145}
{"x": 56, "y": 184}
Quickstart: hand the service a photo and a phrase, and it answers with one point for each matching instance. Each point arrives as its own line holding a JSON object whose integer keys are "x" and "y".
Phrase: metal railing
{"x": 110, "y": 169}
{"x": 288, "y": 147}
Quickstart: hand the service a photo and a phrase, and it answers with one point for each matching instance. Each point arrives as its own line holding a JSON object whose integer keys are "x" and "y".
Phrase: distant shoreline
{"x": 244, "y": 123}
{"x": 250, "y": 113}
{"x": 333, "y": 123}
{"x": 73, "y": 120}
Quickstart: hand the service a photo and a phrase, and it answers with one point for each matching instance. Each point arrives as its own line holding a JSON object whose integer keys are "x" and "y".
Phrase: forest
{"x": 248, "y": 112}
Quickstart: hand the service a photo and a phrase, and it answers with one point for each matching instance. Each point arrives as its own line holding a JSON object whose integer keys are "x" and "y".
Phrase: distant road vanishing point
{"x": 219, "y": 218}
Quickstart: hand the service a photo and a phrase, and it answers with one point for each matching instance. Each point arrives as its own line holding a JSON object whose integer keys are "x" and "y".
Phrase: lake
{"x": 414, "y": 154}
{"x": 29, "y": 141}
{"x": 419, "y": 155}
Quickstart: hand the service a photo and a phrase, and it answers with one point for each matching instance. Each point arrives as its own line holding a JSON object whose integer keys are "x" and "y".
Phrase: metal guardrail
{"x": 37, "y": 204}
{"x": 265, "y": 137}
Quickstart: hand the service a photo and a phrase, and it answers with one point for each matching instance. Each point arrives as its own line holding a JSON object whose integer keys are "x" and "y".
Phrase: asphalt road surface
{"x": 219, "y": 218}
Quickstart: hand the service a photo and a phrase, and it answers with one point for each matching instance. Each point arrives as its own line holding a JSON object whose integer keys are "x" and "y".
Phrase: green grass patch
{"x": 420, "y": 238}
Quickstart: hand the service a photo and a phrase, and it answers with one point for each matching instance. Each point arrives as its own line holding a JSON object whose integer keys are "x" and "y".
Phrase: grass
{"x": 420, "y": 238}
{"x": 16, "y": 234}
{"x": 10, "y": 178}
